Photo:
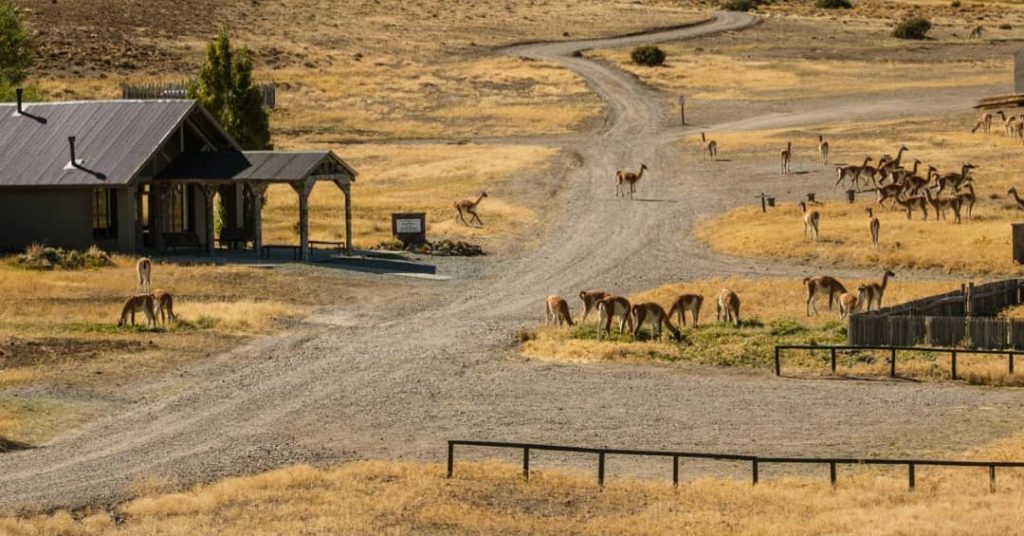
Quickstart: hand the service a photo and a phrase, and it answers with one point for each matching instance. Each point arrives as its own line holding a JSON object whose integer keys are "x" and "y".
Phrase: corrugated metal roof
{"x": 275, "y": 166}
{"x": 114, "y": 139}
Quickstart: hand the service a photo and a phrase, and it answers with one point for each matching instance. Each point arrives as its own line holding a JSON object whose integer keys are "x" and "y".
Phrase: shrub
{"x": 1005, "y": 26}
{"x": 40, "y": 257}
{"x": 648, "y": 55}
{"x": 741, "y": 5}
{"x": 833, "y": 4}
{"x": 954, "y": 3}
{"x": 912, "y": 28}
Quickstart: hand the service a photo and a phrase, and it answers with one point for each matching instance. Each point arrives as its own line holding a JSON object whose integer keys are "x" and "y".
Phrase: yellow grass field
{"x": 373, "y": 497}
{"x": 419, "y": 178}
{"x": 979, "y": 246}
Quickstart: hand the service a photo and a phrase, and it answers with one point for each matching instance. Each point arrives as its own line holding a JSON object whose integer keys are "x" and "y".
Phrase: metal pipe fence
{"x": 834, "y": 349}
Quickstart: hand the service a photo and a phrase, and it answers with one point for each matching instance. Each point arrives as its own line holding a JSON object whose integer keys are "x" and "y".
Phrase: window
{"x": 104, "y": 213}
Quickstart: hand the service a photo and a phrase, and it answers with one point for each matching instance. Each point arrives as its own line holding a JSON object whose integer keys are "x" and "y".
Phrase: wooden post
{"x": 682, "y": 110}
{"x": 778, "y": 361}
{"x": 600, "y": 469}
{"x": 832, "y": 472}
{"x": 675, "y": 471}
{"x": 952, "y": 364}
{"x": 346, "y": 188}
{"x": 259, "y": 192}
{"x": 833, "y": 360}
{"x": 910, "y": 476}
{"x": 754, "y": 472}
{"x": 156, "y": 216}
{"x": 303, "y": 189}
{"x": 1011, "y": 364}
{"x": 209, "y": 190}
{"x": 451, "y": 459}
{"x": 991, "y": 479}
{"x": 892, "y": 364}
{"x": 526, "y": 463}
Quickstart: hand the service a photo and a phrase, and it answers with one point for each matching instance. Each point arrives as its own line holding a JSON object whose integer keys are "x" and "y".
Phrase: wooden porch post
{"x": 302, "y": 189}
{"x": 209, "y": 190}
{"x": 346, "y": 188}
{"x": 258, "y": 190}
{"x": 156, "y": 217}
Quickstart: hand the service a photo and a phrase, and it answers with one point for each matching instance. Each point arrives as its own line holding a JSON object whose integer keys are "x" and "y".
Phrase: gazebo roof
{"x": 266, "y": 166}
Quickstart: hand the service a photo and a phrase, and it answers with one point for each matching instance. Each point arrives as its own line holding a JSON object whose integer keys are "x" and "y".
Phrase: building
{"x": 140, "y": 176}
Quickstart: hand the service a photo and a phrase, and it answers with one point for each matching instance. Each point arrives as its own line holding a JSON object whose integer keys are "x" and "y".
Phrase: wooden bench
{"x": 176, "y": 241}
{"x": 232, "y": 236}
{"x": 335, "y": 245}
{"x": 267, "y": 248}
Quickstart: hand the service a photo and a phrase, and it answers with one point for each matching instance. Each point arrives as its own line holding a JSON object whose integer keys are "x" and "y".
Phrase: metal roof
{"x": 270, "y": 166}
{"x": 114, "y": 139}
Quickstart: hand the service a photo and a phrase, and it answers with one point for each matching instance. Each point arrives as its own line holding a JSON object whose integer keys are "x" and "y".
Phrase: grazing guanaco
{"x": 1013, "y": 192}
{"x": 143, "y": 275}
{"x": 728, "y": 305}
{"x": 138, "y": 303}
{"x": 848, "y": 304}
{"x": 590, "y": 299}
{"x": 655, "y": 315}
{"x": 710, "y": 147}
{"x": 608, "y": 309}
{"x": 630, "y": 178}
{"x": 164, "y": 304}
{"x": 984, "y": 123}
{"x": 976, "y": 32}
{"x": 687, "y": 302}
{"x": 822, "y": 284}
{"x": 872, "y": 293}
{"x": 852, "y": 172}
{"x": 874, "y": 226}
{"x": 786, "y": 156}
{"x": 811, "y": 220}
{"x": 823, "y": 149}
{"x": 466, "y": 205}
{"x": 556, "y": 311}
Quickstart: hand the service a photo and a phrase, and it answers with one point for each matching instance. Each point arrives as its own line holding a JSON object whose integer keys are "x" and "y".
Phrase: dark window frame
{"x": 104, "y": 213}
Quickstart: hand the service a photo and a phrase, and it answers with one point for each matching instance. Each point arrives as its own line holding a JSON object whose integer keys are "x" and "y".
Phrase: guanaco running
{"x": 608, "y": 309}
{"x": 728, "y": 304}
{"x": 655, "y": 315}
{"x": 557, "y": 311}
{"x": 590, "y": 299}
{"x": 469, "y": 206}
{"x": 874, "y": 226}
{"x": 811, "y": 220}
{"x": 143, "y": 275}
{"x": 138, "y": 303}
{"x": 822, "y": 284}
{"x": 687, "y": 302}
{"x": 164, "y": 306}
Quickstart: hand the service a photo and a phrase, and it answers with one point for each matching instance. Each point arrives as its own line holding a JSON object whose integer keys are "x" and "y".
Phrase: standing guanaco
{"x": 469, "y": 206}
{"x": 164, "y": 304}
{"x": 608, "y": 309}
{"x": 629, "y": 178}
{"x": 811, "y": 220}
{"x": 138, "y": 303}
{"x": 786, "y": 156}
{"x": 823, "y": 149}
{"x": 556, "y": 311}
{"x": 874, "y": 226}
{"x": 654, "y": 314}
{"x": 143, "y": 275}
{"x": 687, "y": 302}
{"x": 822, "y": 284}
{"x": 710, "y": 147}
{"x": 848, "y": 304}
{"x": 590, "y": 299}
{"x": 872, "y": 293}
{"x": 728, "y": 304}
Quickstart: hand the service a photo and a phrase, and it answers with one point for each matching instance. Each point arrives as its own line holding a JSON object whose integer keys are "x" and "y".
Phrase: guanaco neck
{"x": 478, "y": 199}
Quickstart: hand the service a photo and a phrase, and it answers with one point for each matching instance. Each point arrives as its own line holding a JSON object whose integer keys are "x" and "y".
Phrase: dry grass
{"x": 980, "y": 246}
{"x": 419, "y": 178}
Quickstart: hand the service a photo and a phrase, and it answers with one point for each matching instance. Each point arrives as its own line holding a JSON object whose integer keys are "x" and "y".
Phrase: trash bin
{"x": 851, "y": 196}
{"x": 771, "y": 201}
{"x": 1018, "y": 242}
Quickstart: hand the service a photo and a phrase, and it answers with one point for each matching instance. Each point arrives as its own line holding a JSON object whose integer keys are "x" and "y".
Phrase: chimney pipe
{"x": 71, "y": 143}
{"x": 19, "y": 93}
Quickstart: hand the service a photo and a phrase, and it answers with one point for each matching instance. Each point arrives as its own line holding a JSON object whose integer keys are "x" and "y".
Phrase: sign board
{"x": 409, "y": 227}
{"x": 682, "y": 101}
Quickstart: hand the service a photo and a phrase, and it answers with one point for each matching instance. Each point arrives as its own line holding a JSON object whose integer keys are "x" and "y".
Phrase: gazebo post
{"x": 302, "y": 189}
{"x": 258, "y": 190}
{"x": 156, "y": 216}
{"x": 209, "y": 189}
{"x": 346, "y": 188}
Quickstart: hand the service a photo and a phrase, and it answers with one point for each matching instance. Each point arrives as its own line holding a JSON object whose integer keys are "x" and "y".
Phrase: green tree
{"x": 225, "y": 87}
{"x": 17, "y": 47}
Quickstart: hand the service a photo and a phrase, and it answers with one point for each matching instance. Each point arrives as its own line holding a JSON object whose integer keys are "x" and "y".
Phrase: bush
{"x": 954, "y": 3}
{"x": 648, "y": 55}
{"x": 833, "y": 4}
{"x": 912, "y": 28}
{"x": 741, "y": 5}
{"x": 40, "y": 257}
{"x": 1005, "y": 26}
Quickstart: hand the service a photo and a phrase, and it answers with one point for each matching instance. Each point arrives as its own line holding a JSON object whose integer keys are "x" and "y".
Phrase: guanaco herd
{"x": 155, "y": 304}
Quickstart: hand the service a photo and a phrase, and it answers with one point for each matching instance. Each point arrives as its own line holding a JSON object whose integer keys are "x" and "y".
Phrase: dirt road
{"x": 398, "y": 382}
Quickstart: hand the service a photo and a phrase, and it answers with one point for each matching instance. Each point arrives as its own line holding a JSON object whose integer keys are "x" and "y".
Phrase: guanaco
{"x": 655, "y": 315}
{"x": 590, "y": 299}
{"x": 728, "y": 304}
{"x": 687, "y": 302}
{"x": 852, "y": 172}
{"x": 164, "y": 306}
{"x": 1016, "y": 197}
{"x": 940, "y": 203}
{"x": 557, "y": 311}
{"x": 985, "y": 123}
{"x": 874, "y": 226}
{"x": 710, "y": 147}
{"x": 976, "y": 32}
{"x": 909, "y": 203}
{"x": 872, "y": 293}
{"x": 811, "y": 220}
{"x": 823, "y": 149}
{"x": 968, "y": 198}
{"x": 786, "y": 156}
{"x": 143, "y": 275}
{"x": 954, "y": 180}
{"x": 466, "y": 205}
{"x": 630, "y": 178}
{"x": 891, "y": 163}
{"x": 138, "y": 303}
{"x": 848, "y": 304}
{"x": 822, "y": 284}
{"x": 608, "y": 309}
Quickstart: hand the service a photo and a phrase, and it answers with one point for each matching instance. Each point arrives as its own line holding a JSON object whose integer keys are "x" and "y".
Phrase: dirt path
{"x": 398, "y": 383}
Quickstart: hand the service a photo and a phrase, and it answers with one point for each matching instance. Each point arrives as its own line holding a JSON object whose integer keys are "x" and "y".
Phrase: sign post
{"x": 409, "y": 227}
{"x": 682, "y": 109}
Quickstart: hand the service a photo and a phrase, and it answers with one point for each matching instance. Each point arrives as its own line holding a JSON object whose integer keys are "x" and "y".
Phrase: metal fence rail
{"x": 755, "y": 461}
{"x": 179, "y": 90}
{"x": 833, "y": 349}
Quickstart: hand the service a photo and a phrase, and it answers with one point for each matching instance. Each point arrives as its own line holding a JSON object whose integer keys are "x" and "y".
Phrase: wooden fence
{"x": 179, "y": 90}
{"x": 958, "y": 319}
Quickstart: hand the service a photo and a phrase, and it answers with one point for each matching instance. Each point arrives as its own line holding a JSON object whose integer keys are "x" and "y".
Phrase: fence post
{"x": 892, "y": 364}
{"x": 832, "y": 472}
{"x": 778, "y": 362}
{"x": 600, "y": 469}
{"x": 526, "y": 463}
{"x": 754, "y": 470}
{"x": 991, "y": 479}
{"x": 910, "y": 475}
{"x": 675, "y": 471}
{"x": 1011, "y": 363}
{"x": 952, "y": 364}
{"x": 451, "y": 458}
{"x": 833, "y": 360}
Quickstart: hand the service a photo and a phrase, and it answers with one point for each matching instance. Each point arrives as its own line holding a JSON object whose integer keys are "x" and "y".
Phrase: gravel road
{"x": 396, "y": 382}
